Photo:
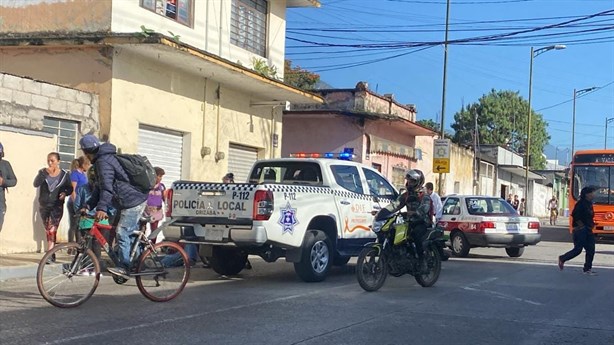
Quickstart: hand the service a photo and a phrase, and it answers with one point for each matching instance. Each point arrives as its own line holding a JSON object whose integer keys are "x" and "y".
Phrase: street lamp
{"x": 534, "y": 53}
{"x": 576, "y": 93}
{"x": 605, "y": 145}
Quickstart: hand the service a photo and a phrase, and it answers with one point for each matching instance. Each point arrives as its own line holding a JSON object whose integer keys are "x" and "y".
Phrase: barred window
{"x": 248, "y": 25}
{"x": 177, "y": 10}
{"x": 66, "y": 132}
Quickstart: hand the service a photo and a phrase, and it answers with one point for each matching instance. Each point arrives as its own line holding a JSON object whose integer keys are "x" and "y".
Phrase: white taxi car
{"x": 486, "y": 221}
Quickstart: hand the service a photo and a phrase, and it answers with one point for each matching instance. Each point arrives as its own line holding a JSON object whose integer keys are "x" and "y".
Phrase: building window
{"x": 487, "y": 170}
{"x": 248, "y": 22}
{"x": 177, "y": 10}
{"x": 66, "y": 132}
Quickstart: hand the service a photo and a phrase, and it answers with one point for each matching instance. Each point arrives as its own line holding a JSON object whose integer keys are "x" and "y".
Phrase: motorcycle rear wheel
{"x": 433, "y": 262}
{"x": 371, "y": 269}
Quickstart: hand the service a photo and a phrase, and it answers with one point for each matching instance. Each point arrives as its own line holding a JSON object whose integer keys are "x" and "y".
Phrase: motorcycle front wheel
{"x": 433, "y": 262}
{"x": 371, "y": 269}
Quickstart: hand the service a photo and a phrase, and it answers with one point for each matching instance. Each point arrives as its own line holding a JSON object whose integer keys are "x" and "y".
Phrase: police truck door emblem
{"x": 288, "y": 219}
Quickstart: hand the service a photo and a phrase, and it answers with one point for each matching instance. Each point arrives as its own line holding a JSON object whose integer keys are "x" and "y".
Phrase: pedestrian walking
{"x": 113, "y": 188}
{"x": 522, "y": 208}
{"x": 78, "y": 178}
{"x": 515, "y": 202}
{"x": 553, "y": 207}
{"x": 583, "y": 237}
{"x": 437, "y": 205}
{"x": 7, "y": 179}
{"x": 54, "y": 186}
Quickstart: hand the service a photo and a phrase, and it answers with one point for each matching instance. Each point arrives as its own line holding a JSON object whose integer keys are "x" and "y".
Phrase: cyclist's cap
{"x": 89, "y": 142}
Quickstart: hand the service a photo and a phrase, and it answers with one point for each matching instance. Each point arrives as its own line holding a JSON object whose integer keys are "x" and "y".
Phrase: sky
{"x": 396, "y": 46}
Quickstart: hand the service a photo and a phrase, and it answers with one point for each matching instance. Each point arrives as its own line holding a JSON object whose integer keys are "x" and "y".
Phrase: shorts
{"x": 52, "y": 216}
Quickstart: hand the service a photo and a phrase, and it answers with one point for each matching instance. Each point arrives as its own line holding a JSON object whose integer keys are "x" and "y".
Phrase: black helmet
{"x": 415, "y": 179}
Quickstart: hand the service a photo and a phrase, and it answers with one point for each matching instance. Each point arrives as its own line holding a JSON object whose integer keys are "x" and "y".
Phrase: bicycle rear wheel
{"x": 170, "y": 270}
{"x": 71, "y": 279}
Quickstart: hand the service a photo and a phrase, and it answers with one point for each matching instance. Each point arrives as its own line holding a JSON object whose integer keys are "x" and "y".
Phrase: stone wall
{"x": 25, "y": 102}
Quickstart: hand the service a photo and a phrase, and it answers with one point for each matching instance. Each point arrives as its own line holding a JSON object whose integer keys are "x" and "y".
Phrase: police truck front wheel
{"x": 316, "y": 257}
{"x": 227, "y": 261}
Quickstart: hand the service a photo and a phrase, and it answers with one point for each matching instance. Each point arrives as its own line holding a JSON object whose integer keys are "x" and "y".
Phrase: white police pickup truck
{"x": 315, "y": 212}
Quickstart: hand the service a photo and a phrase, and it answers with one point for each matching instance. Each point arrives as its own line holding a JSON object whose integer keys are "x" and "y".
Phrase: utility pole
{"x": 443, "y": 93}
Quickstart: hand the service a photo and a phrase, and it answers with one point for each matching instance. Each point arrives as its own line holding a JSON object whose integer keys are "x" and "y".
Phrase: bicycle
{"x": 73, "y": 278}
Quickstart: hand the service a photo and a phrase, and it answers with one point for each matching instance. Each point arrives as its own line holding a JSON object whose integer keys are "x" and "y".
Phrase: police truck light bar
{"x": 347, "y": 154}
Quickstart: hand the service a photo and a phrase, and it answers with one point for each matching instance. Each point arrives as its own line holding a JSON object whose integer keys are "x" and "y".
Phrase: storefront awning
{"x": 521, "y": 171}
{"x": 383, "y": 146}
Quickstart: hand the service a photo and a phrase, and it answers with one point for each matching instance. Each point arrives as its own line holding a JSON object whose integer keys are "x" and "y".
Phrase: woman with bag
{"x": 583, "y": 236}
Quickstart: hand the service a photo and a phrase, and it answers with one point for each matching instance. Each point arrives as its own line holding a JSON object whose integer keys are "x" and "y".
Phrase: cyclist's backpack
{"x": 140, "y": 172}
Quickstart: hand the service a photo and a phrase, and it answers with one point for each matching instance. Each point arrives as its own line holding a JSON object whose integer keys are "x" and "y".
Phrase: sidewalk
{"x": 22, "y": 265}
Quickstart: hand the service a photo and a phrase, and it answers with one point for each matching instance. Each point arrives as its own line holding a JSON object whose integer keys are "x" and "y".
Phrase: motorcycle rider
{"x": 419, "y": 209}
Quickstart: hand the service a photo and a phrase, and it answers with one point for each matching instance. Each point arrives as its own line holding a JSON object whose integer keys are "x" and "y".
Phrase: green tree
{"x": 502, "y": 120}
{"x": 298, "y": 77}
{"x": 434, "y": 126}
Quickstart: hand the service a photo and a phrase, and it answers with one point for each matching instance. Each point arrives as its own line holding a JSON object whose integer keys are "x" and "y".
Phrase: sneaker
{"x": 118, "y": 271}
{"x": 50, "y": 259}
{"x": 561, "y": 264}
{"x": 65, "y": 268}
{"x": 590, "y": 273}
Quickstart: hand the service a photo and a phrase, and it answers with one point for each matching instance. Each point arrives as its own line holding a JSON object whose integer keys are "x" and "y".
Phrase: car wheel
{"x": 227, "y": 261}
{"x": 315, "y": 258}
{"x": 514, "y": 252}
{"x": 460, "y": 245}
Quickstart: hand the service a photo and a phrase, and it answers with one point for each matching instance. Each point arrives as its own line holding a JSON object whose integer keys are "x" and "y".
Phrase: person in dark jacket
{"x": 583, "y": 236}
{"x": 54, "y": 186}
{"x": 113, "y": 188}
{"x": 7, "y": 179}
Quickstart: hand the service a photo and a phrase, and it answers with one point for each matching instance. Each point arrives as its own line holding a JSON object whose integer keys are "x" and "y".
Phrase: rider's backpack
{"x": 140, "y": 172}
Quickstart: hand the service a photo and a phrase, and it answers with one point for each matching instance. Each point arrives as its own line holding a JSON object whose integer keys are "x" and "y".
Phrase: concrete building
{"x": 381, "y": 132}
{"x": 502, "y": 173}
{"x": 174, "y": 79}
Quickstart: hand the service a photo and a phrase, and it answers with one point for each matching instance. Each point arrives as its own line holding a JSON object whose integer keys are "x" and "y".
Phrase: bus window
{"x": 599, "y": 177}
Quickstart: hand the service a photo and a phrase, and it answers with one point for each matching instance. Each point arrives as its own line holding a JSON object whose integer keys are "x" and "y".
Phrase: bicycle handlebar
{"x": 102, "y": 226}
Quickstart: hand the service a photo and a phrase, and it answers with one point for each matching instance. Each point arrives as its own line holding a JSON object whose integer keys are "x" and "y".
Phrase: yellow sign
{"x": 441, "y": 165}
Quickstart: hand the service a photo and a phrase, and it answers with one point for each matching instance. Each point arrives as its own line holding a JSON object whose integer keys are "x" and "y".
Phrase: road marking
{"x": 537, "y": 263}
{"x": 502, "y": 295}
{"x": 192, "y": 316}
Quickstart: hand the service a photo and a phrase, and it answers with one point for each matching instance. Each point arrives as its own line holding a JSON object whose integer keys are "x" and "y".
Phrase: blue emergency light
{"x": 347, "y": 155}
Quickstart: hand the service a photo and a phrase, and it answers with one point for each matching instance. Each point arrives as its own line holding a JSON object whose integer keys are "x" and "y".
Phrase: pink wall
{"x": 317, "y": 133}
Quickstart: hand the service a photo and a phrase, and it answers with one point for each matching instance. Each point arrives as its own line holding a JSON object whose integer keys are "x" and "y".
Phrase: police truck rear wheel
{"x": 227, "y": 261}
{"x": 315, "y": 258}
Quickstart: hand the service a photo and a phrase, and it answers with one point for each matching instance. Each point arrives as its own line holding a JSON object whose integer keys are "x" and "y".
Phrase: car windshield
{"x": 479, "y": 206}
{"x": 600, "y": 177}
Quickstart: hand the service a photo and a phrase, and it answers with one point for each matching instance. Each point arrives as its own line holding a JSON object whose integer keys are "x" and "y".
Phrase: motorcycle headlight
{"x": 377, "y": 225}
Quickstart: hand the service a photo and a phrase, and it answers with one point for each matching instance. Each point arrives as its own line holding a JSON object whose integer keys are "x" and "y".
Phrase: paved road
{"x": 484, "y": 299}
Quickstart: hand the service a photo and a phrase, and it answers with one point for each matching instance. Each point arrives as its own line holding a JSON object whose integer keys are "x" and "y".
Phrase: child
{"x": 155, "y": 199}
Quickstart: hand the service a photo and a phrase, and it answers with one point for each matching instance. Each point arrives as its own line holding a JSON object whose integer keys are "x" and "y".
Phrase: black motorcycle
{"x": 395, "y": 253}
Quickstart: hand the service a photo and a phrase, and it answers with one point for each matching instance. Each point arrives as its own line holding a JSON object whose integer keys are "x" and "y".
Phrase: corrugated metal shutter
{"x": 240, "y": 161}
{"x": 164, "y": 149}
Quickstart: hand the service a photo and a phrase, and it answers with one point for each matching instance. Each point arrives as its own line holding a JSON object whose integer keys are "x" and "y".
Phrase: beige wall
{"x": 55, "y": 15}
{"x": 151, "y": 93}
{"x": 23, "y": 229}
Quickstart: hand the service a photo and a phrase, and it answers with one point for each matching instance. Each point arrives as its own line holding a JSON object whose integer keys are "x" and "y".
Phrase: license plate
{"x": 214, "y": 235}
{"x": 608, "y": 228}
{"x": 512, "y": 227}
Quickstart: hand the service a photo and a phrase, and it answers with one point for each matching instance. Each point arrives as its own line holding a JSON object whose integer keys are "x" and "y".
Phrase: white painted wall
{"x": 210, "y": 31}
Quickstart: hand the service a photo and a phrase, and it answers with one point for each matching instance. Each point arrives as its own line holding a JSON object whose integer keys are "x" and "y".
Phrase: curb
{"x": 18, "y": 272}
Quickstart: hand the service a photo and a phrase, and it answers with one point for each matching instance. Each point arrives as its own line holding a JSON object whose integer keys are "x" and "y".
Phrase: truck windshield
{"x": 600, "y": 177}
{"x": 307, "y": 173}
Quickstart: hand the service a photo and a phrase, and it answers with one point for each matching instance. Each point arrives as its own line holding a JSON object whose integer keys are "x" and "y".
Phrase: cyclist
{"x": 553, "y": 206}
{"x": 114, "y": 189}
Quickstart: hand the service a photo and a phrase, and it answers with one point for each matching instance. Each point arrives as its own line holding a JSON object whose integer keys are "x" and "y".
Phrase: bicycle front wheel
{"x": 71, "y": 279}
{"x": 163, "y": 272}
